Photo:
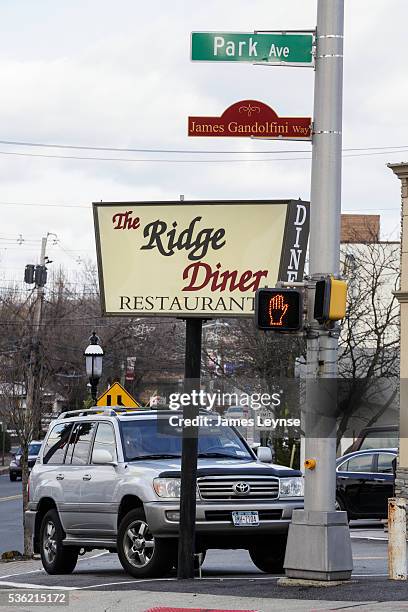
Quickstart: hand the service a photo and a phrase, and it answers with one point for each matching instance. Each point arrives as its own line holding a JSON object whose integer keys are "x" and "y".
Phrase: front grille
{"x": 226, "y": 515}
{"x": 225, "y": 487}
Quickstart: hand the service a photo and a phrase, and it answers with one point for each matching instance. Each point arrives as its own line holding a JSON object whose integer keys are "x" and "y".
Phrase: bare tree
{"x": 369, "y": 341}
{"x": 71, "y": 311}
{"x": 14, "y": 317}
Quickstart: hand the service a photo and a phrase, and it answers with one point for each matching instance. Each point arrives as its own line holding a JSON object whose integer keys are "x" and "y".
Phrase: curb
{"x": 4, "y": 469}
{"x": 301, "y": 582}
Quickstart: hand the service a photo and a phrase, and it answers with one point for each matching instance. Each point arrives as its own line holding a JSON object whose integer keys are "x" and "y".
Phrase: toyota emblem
{"x": 241, "y": 488}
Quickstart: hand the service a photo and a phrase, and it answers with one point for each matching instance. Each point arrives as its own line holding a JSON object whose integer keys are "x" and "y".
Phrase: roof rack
{"x": 105, "y": 410}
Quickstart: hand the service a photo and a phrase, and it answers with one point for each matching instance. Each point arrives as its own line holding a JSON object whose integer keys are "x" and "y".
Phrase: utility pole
{"x": 34, "y": 369}
{"x": 319, "y": 541}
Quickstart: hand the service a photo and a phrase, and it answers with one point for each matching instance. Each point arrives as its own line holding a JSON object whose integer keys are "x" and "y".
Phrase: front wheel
{"x": 270, "y": 558}
{"x": 140, "y": 553}
{"x": 13, "y": 477}
{"x": 56, "y": 558}
{"x": 341, "y": 507}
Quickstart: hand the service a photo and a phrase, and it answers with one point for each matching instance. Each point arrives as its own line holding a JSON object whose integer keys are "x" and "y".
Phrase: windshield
{"x": 33, "y": 449}
{"x": 146, "y": 438}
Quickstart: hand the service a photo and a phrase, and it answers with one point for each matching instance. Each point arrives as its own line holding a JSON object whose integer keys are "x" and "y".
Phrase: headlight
{"x": 13, "y": 463}
{"x": 167, "y": 487}
{"x": 291, "y": 487}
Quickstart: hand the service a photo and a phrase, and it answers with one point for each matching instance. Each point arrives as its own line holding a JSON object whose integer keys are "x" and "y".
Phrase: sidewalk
{"x": 261, "y": 594}
{"x": 149, "y": 600}
{"x": 369, "y": 534}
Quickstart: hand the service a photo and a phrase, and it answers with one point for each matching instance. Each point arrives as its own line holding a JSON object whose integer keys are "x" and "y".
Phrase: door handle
{"x": 60, "y": 477}
{"x": 86, "y": 477}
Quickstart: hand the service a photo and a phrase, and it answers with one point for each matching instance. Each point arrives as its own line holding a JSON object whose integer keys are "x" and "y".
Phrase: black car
{"x": 15, "y": 463}
{"x": 365, "y": 481}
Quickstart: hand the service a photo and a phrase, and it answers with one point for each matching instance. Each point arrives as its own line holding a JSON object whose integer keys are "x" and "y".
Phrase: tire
{"x": 56, "y": 558}
{"x": 13, "y": 477}
{"x": 270, "y": 559}
{"x": 140, "y": 553}
{"x": 340, "y": 506}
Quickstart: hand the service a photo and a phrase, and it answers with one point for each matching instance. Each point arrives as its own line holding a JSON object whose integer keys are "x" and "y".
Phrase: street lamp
{"x": 93, "y": 362}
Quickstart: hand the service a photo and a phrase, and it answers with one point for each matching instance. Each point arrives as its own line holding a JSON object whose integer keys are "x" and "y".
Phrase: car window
{"x": 381, "y": 440}
{"x": 360, "y": 463}
{"x": 105, "y": 439}
{"x": 385, "y": 463}
{"x": 57, "y": 442}
{"x": 79, "y": 444}
{"x": 343, "y": 467}
{"x": 34, "y": 449}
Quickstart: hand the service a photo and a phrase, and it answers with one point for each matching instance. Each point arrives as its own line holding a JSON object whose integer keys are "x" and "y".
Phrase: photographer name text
{"x": 219, "y": 420}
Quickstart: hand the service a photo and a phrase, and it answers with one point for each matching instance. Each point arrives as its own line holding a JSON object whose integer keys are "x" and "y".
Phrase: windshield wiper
{"x": 157, "y": 456}
{"x": 215, "y": 454}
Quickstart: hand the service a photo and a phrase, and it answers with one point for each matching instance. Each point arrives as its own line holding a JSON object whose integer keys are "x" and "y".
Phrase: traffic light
{"x": 29, "y": 274}
{"x": 40, "y": 276}
{"x": 330, "y": 300}
{"x": 279, "y": 309}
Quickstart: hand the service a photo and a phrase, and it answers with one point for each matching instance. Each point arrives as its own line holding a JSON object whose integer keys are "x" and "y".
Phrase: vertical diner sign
{"x": 201, "y": 258}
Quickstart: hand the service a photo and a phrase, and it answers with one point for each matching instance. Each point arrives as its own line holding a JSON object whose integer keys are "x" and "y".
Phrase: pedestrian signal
{"x": 330, "y": 300}
{"x": 279, "y": 309}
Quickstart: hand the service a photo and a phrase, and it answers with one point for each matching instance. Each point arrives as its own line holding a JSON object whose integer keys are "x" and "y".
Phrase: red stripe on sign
{"x": 194, "y": 610}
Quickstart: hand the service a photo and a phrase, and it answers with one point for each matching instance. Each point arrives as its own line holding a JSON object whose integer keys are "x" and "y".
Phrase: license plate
{"x": 245, "y": 518}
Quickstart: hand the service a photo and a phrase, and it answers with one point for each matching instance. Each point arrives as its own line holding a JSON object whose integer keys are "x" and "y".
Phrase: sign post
{"x": 195, "y": 260}
{"x": 319, "y": 540}
{"x": 192, "y": 373}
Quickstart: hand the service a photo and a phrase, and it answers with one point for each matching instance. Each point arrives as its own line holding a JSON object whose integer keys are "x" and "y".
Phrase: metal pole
{"x": 94, "y": 390}
{"x": 186, "y": 547}
{"x": 397, "y": 538}
{"x": 319, "y": 541}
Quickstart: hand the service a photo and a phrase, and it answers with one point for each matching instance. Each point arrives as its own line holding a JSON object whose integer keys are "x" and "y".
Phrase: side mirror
{"x": 264, "y": 454}
{"x": 101, "y": 456}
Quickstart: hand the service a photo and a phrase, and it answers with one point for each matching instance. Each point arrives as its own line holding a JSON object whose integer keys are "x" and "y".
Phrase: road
{"x": 100, "y": 569}
{"x": 11, "y": 536}
{"x": 229, "y": 578}
{"x": 229, "y": 581}
{"x": 11, "y": 514}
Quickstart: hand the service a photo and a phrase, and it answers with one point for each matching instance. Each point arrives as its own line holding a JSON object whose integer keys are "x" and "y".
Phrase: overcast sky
{"x": 118, "y": 74}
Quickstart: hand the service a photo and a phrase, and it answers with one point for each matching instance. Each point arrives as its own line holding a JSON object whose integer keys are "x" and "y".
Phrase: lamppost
{"x": 93, "y": 362}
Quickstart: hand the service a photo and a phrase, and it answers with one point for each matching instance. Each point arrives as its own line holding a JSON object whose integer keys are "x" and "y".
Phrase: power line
{"x": 194, "y": 161}
{"x": 152, "y": 161}
{"x": 182, "y": 151}
{"x": 45, "y": 205}
{"x": 88, "y": 207}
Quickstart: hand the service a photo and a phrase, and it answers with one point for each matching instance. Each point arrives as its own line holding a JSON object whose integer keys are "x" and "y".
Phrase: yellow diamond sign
{"x": 117, "y": 395}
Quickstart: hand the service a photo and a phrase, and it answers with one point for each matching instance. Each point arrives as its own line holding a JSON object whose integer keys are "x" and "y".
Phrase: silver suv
{"x": 110, "y": 479}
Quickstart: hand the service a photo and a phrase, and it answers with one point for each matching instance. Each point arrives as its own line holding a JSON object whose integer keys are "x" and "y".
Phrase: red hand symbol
{"x": 277, "y": 310}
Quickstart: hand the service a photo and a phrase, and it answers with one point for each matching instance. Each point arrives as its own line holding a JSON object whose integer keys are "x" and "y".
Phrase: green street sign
{"x": 293, "y": 49}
